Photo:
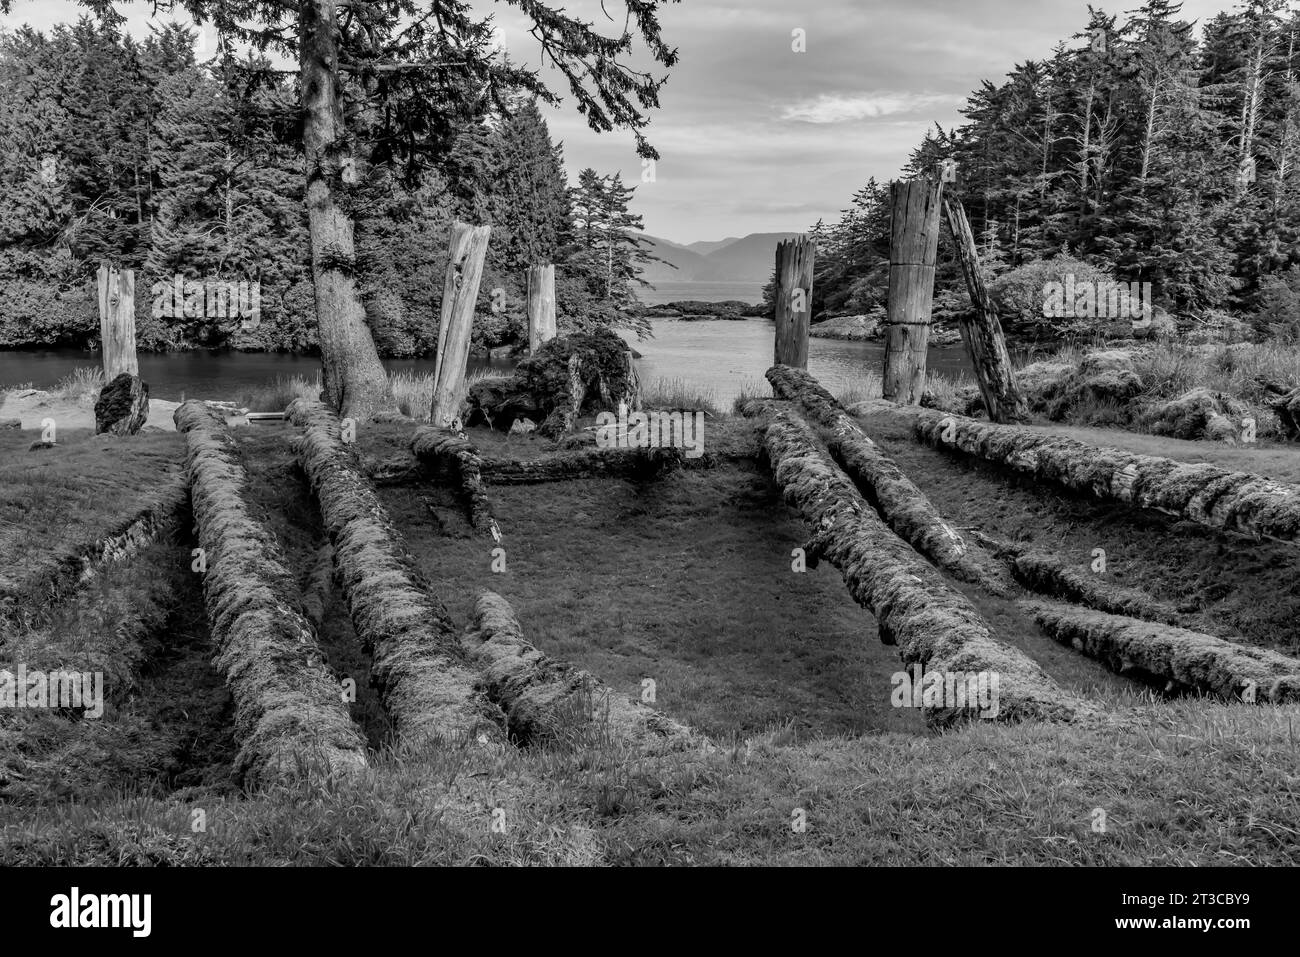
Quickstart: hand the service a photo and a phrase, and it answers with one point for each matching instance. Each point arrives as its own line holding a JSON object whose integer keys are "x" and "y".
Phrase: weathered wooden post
{"x": 541, "y": 306}
{"x": 117, "y": 321}
{"x": 794, "y": 288}
{"x": 913, "y": 245}
{"x": 982, "y": 331}
{"x": 459, "y": 292}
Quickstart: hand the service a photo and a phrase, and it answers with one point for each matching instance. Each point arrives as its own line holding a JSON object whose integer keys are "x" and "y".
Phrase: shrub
{"x": 1019, "y": 296}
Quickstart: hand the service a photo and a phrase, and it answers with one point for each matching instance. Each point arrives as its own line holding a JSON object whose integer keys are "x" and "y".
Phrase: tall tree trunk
{"x": 354, "y": 379}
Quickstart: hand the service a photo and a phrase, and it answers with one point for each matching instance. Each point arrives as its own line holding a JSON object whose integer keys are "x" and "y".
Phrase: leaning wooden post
{"x": 982, "y": 331}
{"x": 117, "y": 321}
{"x": 459, "y": 293}
{"x": 794, "y": 287}
{"x": 913, "y": 245}
{"x": 541, "y": 306}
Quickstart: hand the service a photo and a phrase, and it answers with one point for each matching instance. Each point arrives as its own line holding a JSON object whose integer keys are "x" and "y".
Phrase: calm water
{"x": 701, "y": 291}
{"x": 717, "y": 357}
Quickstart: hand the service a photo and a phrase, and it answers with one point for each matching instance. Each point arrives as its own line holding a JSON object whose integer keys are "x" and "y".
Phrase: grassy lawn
{"x": 687, "y": 582}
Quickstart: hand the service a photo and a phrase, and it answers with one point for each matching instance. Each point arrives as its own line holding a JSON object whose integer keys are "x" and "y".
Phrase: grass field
{"x": 685, "y": 581}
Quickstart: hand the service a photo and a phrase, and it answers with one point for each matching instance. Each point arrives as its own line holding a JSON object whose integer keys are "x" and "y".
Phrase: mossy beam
{"x": 901, "y": 504}
{"x": 290, "y": 718}
{"x": 436, "y": 447}
{"x": 916, "y": 609}
{"x": 545, "y": 699}
{"x": 1184, "y": 660}
{"x": 1238, "y": 502}
{"x": 425, "y": 682}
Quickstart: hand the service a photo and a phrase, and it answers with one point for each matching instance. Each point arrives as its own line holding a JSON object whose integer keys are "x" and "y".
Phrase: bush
{"x": 1020, "y": 294}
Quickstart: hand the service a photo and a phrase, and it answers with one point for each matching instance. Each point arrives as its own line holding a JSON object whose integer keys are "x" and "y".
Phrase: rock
{"x": 40, "y": 444}
{"x": 123, "y": 405}
{"x": 523, "y": 426}
{"x": 11, "y": 423}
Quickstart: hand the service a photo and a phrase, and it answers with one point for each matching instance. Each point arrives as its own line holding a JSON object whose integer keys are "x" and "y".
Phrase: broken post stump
{"x": 541, "y": 306}
{"x": 913, "y": 246}
{"x": 123, "y": 405}
{"x": 459, "y": 293}
{"x": 794, "y": 286}
{"x": 982, "y": 330}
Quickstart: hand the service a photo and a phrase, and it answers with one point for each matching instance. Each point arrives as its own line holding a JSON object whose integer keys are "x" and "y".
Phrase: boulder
{"x": 1105, "y": 378}
{"x": 850, "y": 328}
{"x": 123, "y": 405}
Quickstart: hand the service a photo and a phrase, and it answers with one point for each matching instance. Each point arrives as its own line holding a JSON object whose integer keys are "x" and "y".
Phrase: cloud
{"x": 843, "y": 108}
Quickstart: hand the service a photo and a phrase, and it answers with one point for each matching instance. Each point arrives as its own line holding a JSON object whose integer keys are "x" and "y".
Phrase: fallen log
{"x": 418, "y": 664}
{"x": 1237, "y": 502}
{"x": 1050, "y": 576}
{"x": 635, "y": 464}
{"x": 290, "y": 717}
{"x": 547, "y": 700}
{"x": 1181, "y": 660}
{"x": 900, "y": 503}
{"x": 443, "y": 447}
{"x": 932, "y": 624}
{"x": 161, "y": 515}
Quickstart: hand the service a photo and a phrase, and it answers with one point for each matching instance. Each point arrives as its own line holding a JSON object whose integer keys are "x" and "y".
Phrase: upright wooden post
{"x": 117, "y": 321}
{"x": 541, "y": 306}
{"x": 982, "y": 333}
{"x": 794, "y": 288}
{"x": 913, "y": 245}
{"x": 459, "y": 293}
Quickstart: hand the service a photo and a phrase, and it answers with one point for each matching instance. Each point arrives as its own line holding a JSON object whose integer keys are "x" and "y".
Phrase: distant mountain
{"x": 686, "y": 261}
{"x": 748, "y": 259}
{"x": 704, "y": 246}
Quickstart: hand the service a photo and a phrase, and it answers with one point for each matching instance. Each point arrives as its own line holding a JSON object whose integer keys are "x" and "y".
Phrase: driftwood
{"x": 1239, "y": 502}
{"x": 290, "y": 717}
{"x": 442, "y": 447}
{"x": 418, "y": 663}
{"x": 900, "y": 503}
{"x": 1180, "y": 659}
{"x": 547, "y": 700}
{"x": 932, "y": 624}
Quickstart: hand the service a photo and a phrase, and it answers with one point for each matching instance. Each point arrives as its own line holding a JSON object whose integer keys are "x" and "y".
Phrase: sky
{"x": 755, "y": 136}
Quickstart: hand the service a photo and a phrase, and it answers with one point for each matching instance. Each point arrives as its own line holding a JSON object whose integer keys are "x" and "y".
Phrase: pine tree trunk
{"x": 983, "y": 333}
{"x": 913, "y": 246}
{"x": 541, "y": 306}
{"x": 355, "y": 382}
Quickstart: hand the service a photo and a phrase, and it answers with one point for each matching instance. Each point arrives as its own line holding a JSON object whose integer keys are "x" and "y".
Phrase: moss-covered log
{"x": 419, "y": 666}
{"x": 163, "y": 514}
{"x": 290, "y": 718}
{"x": 1048, "y": 575}
{"x": 916, "y": 609}
{"x": 444, "y": 449}
{"x": 1180, "y": 659}
{"x": 901, "y": 504}
{"x": 635, "y": 464}
{"x": 1238, "y": 502}
{"x": 549, "y": 700}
